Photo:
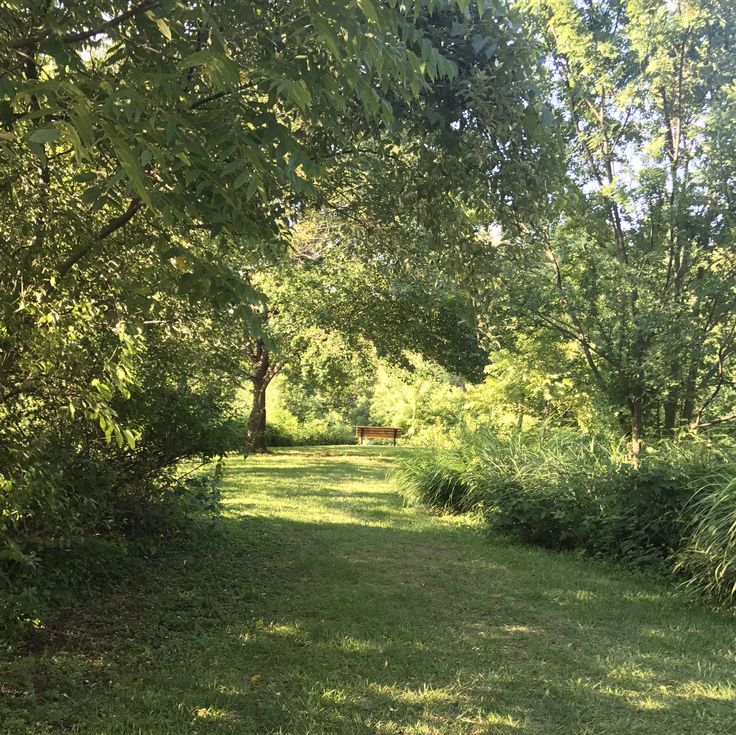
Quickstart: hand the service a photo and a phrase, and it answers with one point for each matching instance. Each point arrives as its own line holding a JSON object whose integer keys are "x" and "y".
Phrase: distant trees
{"x": 635, "y": 262}
{"x": 330, "y": 303}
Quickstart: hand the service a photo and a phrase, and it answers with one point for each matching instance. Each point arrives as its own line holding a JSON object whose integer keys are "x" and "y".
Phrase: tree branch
{"x": 112, "y": 226}
{"x": 581, "y": 338}
{"x": 713, "y": 422}
{"x": 31, "y": 41}
{"x": 209, "y": 98}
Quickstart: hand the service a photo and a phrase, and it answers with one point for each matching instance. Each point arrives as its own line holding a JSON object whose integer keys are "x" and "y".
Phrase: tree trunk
{"x": 688, "y": 406}
{"x": 670, "y": 415}
{"x": 263, "y": 372}
{"x": 638, "y": 392}
{"x": 637, "y": 405}
{"x": 256, "y": 431}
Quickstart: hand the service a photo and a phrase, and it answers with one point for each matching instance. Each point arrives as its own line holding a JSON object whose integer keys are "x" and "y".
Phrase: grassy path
{"x": 324, "y": 607}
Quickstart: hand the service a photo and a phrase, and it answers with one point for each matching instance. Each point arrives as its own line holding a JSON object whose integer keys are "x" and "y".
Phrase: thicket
{"x": 672, "y": 510}
{"x": 76, "y": 502}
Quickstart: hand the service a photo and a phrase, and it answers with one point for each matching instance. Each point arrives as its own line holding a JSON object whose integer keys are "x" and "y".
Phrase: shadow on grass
{"x": 274, "y": 624}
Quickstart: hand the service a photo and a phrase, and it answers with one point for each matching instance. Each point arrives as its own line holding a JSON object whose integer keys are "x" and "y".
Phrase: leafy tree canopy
{"x": 633, "y": 262}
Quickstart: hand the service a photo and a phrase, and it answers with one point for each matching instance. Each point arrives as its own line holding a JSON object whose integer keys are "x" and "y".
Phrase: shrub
{"x": 287, "y": 431}
{"x": 69, "y": 497}
{"x": 644, "y": 508}
{"x": 56, "y": 569}
{"x": 542, "y": 489}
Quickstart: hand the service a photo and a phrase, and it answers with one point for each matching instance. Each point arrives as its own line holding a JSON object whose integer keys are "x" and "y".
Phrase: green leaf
{"x": 91, "y": 194}
{"x": 82, "y": 122}
{"x": 129, "y": 438}
{"x": 44, "y": 135}
{"x": 242, "y": 178}
{"x": 326, "y": 35}
{"x": 131, "y": 165}
{"x": 369, "y": 10}
{"x": 163, "y": 26}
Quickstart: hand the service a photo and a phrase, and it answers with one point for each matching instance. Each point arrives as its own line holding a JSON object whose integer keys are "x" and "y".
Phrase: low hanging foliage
{"x": 153, "y": 157}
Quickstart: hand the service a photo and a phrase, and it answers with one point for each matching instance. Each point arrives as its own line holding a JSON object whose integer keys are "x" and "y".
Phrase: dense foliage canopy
{"x": 634, "y": 262}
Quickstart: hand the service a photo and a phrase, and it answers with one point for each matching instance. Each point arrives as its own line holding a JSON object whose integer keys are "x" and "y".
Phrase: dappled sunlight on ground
{"x": 321, "y": 605}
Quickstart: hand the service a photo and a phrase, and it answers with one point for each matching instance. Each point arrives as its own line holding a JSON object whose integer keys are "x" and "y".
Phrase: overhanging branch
{"x": 79, "y": 36}
{"x": 105, "y": 232}
{"x": 713, "y": 422}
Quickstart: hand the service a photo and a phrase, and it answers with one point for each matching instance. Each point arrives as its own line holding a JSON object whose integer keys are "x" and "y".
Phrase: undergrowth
{"x": 135, "y": 527}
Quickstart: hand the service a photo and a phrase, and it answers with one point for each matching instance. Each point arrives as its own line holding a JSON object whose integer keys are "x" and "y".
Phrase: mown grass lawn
{"x": 322, "y": 606}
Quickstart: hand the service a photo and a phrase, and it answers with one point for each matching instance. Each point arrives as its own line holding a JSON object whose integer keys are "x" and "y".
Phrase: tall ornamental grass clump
{"x": 708, "y": 558}
{"x": 675, "y": 510}
{"x": 436, "y": 480}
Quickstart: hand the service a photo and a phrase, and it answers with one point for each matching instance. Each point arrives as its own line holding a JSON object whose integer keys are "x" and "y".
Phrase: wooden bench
{"x": 377, "y": 432}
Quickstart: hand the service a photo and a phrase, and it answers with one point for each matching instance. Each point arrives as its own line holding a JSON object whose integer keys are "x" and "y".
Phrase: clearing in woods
{"x": 323, "y": 606}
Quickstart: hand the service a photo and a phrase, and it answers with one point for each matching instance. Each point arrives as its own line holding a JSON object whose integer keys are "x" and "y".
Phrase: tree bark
{"x": 688, "y": 406}
{"x": 264, "y": 370}
{"x": 638, "y": 397}
{"x": 670, "y": 415}
{"x": 256, "y": 431}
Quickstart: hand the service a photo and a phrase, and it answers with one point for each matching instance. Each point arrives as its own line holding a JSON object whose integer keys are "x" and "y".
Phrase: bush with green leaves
{"x": 287, "y": 431}
{"x": 647, "y": 508}
{"x": 419, "y": 396}
{"x": 72, "y": 496}
{"x": 75, "y": 535}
